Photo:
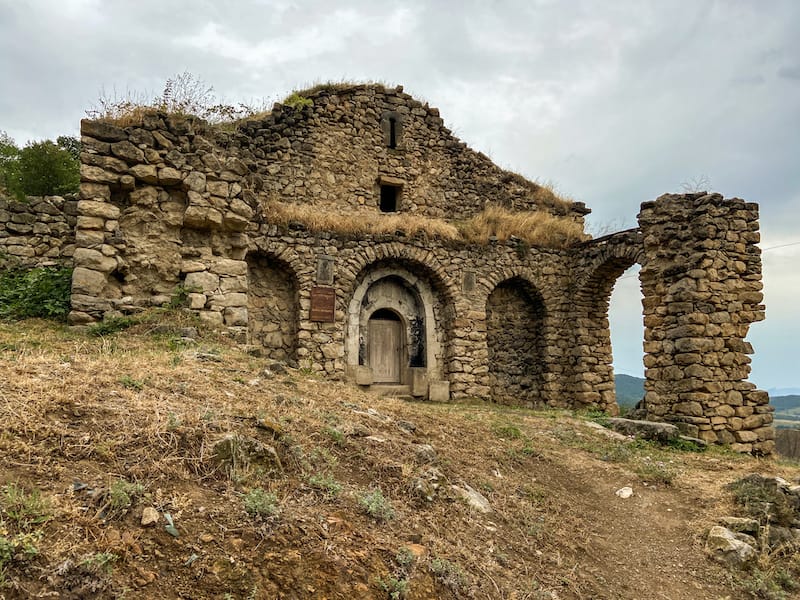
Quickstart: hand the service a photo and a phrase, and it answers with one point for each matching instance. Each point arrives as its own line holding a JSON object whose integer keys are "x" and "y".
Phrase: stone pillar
{"x": 702, "y": 289}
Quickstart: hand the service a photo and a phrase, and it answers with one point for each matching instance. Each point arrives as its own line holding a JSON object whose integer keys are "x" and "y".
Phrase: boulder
{"x": 649, "y": 430}
{"x": 723, "y": 546}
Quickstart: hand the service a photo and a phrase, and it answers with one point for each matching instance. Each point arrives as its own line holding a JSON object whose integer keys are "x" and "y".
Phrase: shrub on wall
{"x": 40, "y": 292}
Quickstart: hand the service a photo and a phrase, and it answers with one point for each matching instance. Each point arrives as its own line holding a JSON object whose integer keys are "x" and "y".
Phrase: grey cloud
{"x": 792, "y": 72}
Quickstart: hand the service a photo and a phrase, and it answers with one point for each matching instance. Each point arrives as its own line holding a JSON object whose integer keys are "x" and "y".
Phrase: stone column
{"x": 702, "y": 290}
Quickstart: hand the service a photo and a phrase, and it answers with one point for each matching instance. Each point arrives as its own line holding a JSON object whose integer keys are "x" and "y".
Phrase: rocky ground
{"x": 152, "y": 464}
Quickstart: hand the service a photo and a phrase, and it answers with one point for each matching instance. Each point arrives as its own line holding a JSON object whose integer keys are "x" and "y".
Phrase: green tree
{"x": 9, "y": 156}
{"x": 45, "y": 168}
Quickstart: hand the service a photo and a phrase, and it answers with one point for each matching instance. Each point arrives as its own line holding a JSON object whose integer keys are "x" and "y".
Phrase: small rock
{"x": 407, "y": 426}
{"x": 189, "y": 332}
{"x": 375, "y": 438}
{"x": 206, "y": 538}
{"x": 418, "y": 550}
{"x": 150, "y": 516}
{"x": 473, "y": 497}
{"x": 624, "y": 492}
{"x": 723, "y": 547}
{"x": 424, "y": 453}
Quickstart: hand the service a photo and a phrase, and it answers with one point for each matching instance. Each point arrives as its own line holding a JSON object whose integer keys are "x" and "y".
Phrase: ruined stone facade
{"x": 175, "y": 202}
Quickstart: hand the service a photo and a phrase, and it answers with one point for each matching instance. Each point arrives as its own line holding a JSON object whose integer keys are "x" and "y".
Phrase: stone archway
{"x": 606, "y": 259}
{"x": 515, "y": 316}
{"x": 395, "y": 322}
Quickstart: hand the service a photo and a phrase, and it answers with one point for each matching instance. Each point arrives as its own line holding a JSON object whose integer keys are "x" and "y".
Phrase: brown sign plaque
{"x": 323, "y": 304}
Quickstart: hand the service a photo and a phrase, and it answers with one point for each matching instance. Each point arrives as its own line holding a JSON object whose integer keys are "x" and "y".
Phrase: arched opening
{"x": 627, "y": 334}
{"x": 515, "y": 316}
{"x": 397, "y": 320}
{"x": 272, "y": 306}
{"x": 386, "y": 346}
{"x": 594, "y": 384}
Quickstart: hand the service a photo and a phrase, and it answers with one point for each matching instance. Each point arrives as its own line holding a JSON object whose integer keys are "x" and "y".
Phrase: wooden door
{"x": 385, "y": 350}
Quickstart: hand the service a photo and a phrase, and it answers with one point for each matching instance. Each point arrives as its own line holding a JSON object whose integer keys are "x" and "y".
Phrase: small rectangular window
{"x": 390, "y": 198}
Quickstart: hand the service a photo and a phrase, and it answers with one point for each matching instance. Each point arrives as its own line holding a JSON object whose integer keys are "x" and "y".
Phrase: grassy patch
{"x": 26, "y": 510}
{"x": 41, "y": 292}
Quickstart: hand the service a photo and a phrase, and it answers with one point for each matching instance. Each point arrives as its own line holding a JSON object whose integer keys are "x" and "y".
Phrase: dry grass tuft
{"x": 367, "y": 223}
{"x": 534, "y": 228}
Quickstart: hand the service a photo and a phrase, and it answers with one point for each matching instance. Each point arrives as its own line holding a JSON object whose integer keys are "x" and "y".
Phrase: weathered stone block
{"x": 202, "y": 281}
{"x": 439, "y": 391}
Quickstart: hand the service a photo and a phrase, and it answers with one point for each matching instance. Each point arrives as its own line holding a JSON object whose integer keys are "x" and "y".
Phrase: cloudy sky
{"x": 615, "y": 101}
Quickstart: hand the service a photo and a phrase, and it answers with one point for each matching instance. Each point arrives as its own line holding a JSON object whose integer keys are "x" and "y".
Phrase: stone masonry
{"x": 39, "y": 232}
{"x": 176, "y": 202}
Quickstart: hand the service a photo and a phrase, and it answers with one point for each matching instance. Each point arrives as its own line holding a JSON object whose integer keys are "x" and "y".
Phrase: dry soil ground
{"x": 323, "y": 491}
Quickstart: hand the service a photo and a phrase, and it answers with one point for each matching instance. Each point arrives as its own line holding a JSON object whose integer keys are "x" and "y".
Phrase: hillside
{"x": 257, "y": 481}
{"x": 630, "y": 390}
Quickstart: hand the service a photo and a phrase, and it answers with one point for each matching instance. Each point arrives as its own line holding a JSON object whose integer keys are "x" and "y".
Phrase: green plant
{"x": 507, "y": 431}
{"x": 376, "y": 506}
{"x": 260, "y": 503}
{"x": 405, "y": 559}
{"x": 40, "y": 292}
{"x": 112, "y": 325}
{"x": 449, "y": 574}
{"x": 25, "y": 510}
{"x": 180, "y": 297}
{"x": 100, "y": 562}
{"x": 42, "y": 168}
{"x": 335, "y": 435}
{"x": 122, "y": 493}
{"x": 132, "y": 384}
{"x": 394, "y": 587}
{"x": 325, "y": 483}
{"x": 297, "y": 101}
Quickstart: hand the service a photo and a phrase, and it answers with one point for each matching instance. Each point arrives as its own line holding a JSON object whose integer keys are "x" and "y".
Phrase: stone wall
{"x": 38, "y": 232}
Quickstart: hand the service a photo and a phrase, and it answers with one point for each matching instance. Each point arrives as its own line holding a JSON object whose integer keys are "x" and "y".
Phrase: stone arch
{"x": 515, "y": 337}
{"x": 418, "y": 260}
{"x": 414, "y": 292}
{"x": 272, "y": 305}
{"x": 606, "y": 260}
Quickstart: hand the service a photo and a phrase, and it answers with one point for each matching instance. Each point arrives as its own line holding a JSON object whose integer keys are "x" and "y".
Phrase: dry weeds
{"x": 80, "y": 414}
{"x": 494, "y": 223}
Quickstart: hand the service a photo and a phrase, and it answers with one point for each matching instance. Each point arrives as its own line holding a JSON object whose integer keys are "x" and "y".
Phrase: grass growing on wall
{"x": 533, "y": 228}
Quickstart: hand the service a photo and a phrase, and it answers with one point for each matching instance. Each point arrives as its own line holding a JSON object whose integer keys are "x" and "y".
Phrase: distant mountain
{"x": 630, "y": 390}
{"x": 793, "y": 391}
{"x": 785, "y": 403}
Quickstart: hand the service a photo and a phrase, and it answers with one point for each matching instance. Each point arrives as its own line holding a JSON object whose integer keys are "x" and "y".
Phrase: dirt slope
{"x": 322, "y": 491}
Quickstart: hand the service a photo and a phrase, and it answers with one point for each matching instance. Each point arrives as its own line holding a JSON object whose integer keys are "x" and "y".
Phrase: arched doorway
{"x": 386, "y": 346}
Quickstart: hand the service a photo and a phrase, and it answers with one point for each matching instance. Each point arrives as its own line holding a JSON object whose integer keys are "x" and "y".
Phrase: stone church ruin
{"x": 266, "y": 226}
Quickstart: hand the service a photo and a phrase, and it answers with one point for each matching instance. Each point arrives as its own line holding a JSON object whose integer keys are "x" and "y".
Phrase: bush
{"x": 41, "y": 292}
{"x": 43, "y": 168}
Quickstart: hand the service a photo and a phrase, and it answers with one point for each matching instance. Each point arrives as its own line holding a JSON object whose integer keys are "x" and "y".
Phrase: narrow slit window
{"x": 390, "y": 198}
{"x": 392, "y": 132}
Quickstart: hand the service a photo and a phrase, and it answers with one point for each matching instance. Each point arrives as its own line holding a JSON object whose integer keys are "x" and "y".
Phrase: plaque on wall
{"x": 325, "y": 270}
{"x": 323, "y": 304}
